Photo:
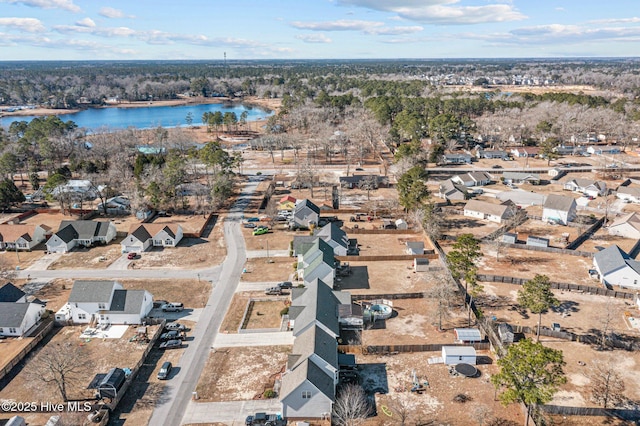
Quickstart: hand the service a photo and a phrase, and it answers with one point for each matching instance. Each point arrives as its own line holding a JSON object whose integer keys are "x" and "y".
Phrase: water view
{"x": 148, "y": 117}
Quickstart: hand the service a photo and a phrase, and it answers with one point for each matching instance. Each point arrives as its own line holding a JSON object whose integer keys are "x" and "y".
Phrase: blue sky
{"x": 316, "y": 29}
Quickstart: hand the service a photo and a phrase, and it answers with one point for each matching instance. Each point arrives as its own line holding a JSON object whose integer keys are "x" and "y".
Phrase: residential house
{"x": 12, "y": 294}
{"x": 603, "y": 149}
{"x": 457, "y": 159}
{"x": 556, "y": 173}
{"x": 358, "y": 181}
{"x": 116, "y": 205}
{"x": 414, "y": 247}
{"x": 105, "y": 302}
{"x": 589, "y": 187}
{"x": 85, "y": 233}
{"x": 492, "y": 154}
{"x": 559, "y": 209}
{"x": 287, "y": 203}
{"x": 627, "y": 226}
{"x": 17, "y": 318}
{"x": 616, "y": 267}
{"x": 317, "y": 262}
{"x": 568, "y": 150}
{"x": 22, "y": 236}
{"x": 331, "y": 233}
{"x": 472, "y": 179}
{"x": 306, "y": 214}
{"x": 629, "y": 193}
{"x": 452, "y": 191}
{"x": 525, "y": 151}
{"x": 488, "y": 211}
{"x": 78, "y": 189}
{"x": 146, "y": 235}
{"x": 519, "y": 177}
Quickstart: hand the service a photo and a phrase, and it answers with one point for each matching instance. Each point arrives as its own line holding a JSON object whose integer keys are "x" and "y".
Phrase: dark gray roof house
{"x": 11, "y": 293}
{"x": 305, "y": 214}
{"x": 92, "y": 291}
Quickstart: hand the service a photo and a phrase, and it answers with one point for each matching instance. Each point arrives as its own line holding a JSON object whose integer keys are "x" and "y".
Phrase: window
{"x": 101, "y": 306}
{"x": 12, "y": 330}
{"x": 1, "y": 330}
{"x": 306, "y": 394}
{"x": 82, "y": 316}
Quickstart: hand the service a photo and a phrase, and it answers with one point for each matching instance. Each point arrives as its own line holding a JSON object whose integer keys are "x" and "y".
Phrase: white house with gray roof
{"x": 85, "y": 233}
{"x": 17, "y": 318}
{"x": 105, "y": 302}
{"x": 520, "y": 177}
{"x": 629, "y": 193}
{"x": 488, "y": 211}
{"x": 617, "y": 268}
{"x": 627, "y": 226}
{"x": 472, "y": 179}
{"x": 590, "y": 187}
{"x": 451, "y": 191}
{"x": 559, "y": 209}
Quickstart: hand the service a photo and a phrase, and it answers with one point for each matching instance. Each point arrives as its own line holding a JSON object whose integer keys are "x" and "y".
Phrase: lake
{"x": 147, "y": 117}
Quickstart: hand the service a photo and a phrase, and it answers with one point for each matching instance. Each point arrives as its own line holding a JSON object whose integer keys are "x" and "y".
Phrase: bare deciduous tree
{"x": 607, "y": 386}
{"x": 60, "y": 365}
{"x": 443, "y": 293}
{"x": 351, "y": 407}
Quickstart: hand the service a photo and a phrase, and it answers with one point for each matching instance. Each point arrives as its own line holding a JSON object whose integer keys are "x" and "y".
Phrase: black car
{"x": 285, "y": 284}
{"x": 171, "y": 344}
{"x": 172, "y": 335}
{"x": 163, "y": 374}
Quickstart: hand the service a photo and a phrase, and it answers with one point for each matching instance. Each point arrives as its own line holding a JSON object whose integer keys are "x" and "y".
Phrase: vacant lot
{"x": 256, "y": 369}
{"x": 393, "y": 374}
{"x": 233, "y": 317}
{"x": 459, "y": 224}
{"x": 278, "y": 238}
{"x": 102, "y": 355}
{"x": 196, "y": 253}
{"x": 272, "y": 269}
{"x": 385, "y": 244}
{"x": 192, "y": 293}
{"x": 189, "y": 223}
{"x": 603, "y": 239}
{"x": 98, "y": 257}
{"x": 54, "y": 292}
{"x": 22, "y": 259}
{"x": 383, "y": 277}
{"x": 265, "y": 314}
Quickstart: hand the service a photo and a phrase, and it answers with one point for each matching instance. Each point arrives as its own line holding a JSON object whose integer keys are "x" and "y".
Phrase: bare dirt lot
{"x": 189, "y": 224}
{"x": 196, "y": 253}
{"x": 22, "y": 259}
{"x": 256, "y": 368}
{"x": 265, "y": 314}
{"x": 385, "y": 245}
{"x": 272, "y": 269}
{"x": 192, "y": 293}
{"x": 459, "y": 224}
{"x": 103, "y": 355}
{"x": 55, "y": 293}
{"x": 602, "y": 238}
{"x": 278, "y": 238}
{"x": 383, "y": 277}
{"x": 98, "y": 257}
{"x": 393, "y": 375}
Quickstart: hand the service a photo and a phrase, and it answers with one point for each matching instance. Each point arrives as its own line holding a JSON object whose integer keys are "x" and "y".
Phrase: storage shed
{"x": 420, "y": 265}
{"x": 452, "y": 355}
{"x": 111, "y": 384}
{"x": 537, "y": 241}
{"x": 467, "y": 335}
{"x": 509, "y": 238}
{"x": 401, "y": 224}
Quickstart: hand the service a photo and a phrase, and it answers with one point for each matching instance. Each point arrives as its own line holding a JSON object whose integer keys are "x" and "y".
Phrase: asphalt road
{"x": 179, "y": 390}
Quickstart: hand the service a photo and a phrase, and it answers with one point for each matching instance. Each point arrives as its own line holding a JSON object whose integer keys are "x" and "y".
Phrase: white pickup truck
{"x": 172, "y": 307}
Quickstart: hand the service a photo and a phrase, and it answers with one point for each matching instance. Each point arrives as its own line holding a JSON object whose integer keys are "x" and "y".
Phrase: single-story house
{"x": 559, "y": 209}
{"x": 616, "y": 267}
{"x": 358, "y": 181}
{"x": 492, "y": 154}
{"x": 519, "y": 177}
{"x": 17, "y": 318}
{"x": 287, "y": 203}
{"x": 525, "y": 151}
{"x": 452, "y": 191}
{"x": 627, "y": 226}
{"x": 22, "y": 236}
{"x": 106, "y": 302}
{"x": 415, "y": 247}
{"x": 467, "y": 335}
{"x": 452, "y": 355}
{"x": 78, "y": 189}
{"x": 146, "y": 235}
{"x": 472, "y": 179}
{"x": 603, "y": 149}
{"x": 457, "y": 159}
{"x": 488, "y": 211}
{"x": 85, "y": 233}
{"x": 306, "y": 214}
{"x": 590, "y": 187}
{"x": 630, "y": 193}
{"x": 116, "y": 205}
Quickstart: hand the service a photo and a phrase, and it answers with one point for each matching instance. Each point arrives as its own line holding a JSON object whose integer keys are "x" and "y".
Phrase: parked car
{"x": 285, "y": 284}
{"x": 163, "y": 374}
{"x": 260, "y": 231}
{"x": 159, "y": 303}
{"x": 175, "y": 326}
{"x": 172, "y": 307}
{"x": 249, "y": 225}
{"x": 132, "y": 255}
{"x": 273, "y": 291}
{"x": 253, "y": 219}
{"x": 496, "y": 166}
{"x": 171, "y": 344}
{"x": 172, "y": 335}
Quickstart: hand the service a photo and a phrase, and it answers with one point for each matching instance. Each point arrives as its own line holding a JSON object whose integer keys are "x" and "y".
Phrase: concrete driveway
{"x": 233, "y": 412}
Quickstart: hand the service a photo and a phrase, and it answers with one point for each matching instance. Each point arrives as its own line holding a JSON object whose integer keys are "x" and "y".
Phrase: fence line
{"x": 393, "y": 296}
{"x": 379, "y": 231}
{"x": 585, "y": 235}
{"x": 25, "y": 351}
{"x": 625, "y": 414}
{"x": 393, "y": 349}
{"x": 389, "y": 257}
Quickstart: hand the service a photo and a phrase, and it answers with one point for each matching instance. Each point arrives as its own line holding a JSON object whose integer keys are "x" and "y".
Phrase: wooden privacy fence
{"x": 625, "y": 414}
{"x": 408, "y": 257}
{"x": 24, "y": 352}
{"x": 387, "y": 296}
{"x": 393, "y": 349}
{"x": 379, "y": 231}
{"x": 585, "y": 235}
{"x": 599, "y": 291}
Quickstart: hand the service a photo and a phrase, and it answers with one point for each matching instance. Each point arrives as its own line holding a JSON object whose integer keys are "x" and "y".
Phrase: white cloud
{"x": 31, "y": 25}
{"x": 110, "y": 12}
{"x": 445, "y": 12}
{"x": 395, "y": 30}
{"x": 314, "y": 38}
{"x": 47, "y": 4}
{"x": 339, "y": 25}
{"x": 86, "y": 22}
{"x": 633, "y": 20}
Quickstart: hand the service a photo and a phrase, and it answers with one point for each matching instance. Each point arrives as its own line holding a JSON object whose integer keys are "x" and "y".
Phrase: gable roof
{"x": 10, "y": 293}
{"x": 302, "y": 204}
{"x": 67, "y": 234}
{"x": 11, "y": 233}
{"x": 499, "y": 210}
{"x": 520, "y": 176}
{"x": 287, "y": 199}
{"x": 319, "y": 304}
{"x": 12, "y": 314}
{"x": 633, "y": 219}
{"x": 86, "y": 229}
{"x": 127, "y": 301}
{"x": 559, "y": 202}
{"x": 315, "y": 340}
{"x": 631, "y": 190}
{"x": 307, "y": 370}
{"x": 92, "y": 291}
{"x": 144, "y": 231}
{"x": 449, "y": 187}
{"x": 333, "y": 232}
{"x": 613, "y": 258}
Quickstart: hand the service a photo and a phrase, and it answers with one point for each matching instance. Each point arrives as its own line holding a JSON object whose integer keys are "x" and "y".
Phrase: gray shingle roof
{"x": 558, "y": 202}
{"x": 127, "y": 301}
{"x": 613, "y": 258}
{"x": 86, "y": 229}
{"x": 333, "y": 232}
{"x": 319, "y": 304}
{"x": 307, "y": 370}
{"x": 12, "y": 314}
{"x": 316, "y": 340}
{"x": 10, "y": 293}
{"x": 91, "y": 291}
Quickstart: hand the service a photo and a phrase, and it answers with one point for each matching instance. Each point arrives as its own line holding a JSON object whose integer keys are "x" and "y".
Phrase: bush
{"x": 269, "y": 393}
{"x": 284, "y": 311}
{"x": 258, "y": 173}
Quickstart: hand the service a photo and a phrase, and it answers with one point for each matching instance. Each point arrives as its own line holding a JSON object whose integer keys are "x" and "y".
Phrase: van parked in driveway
{"x": 163, "y": 374}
